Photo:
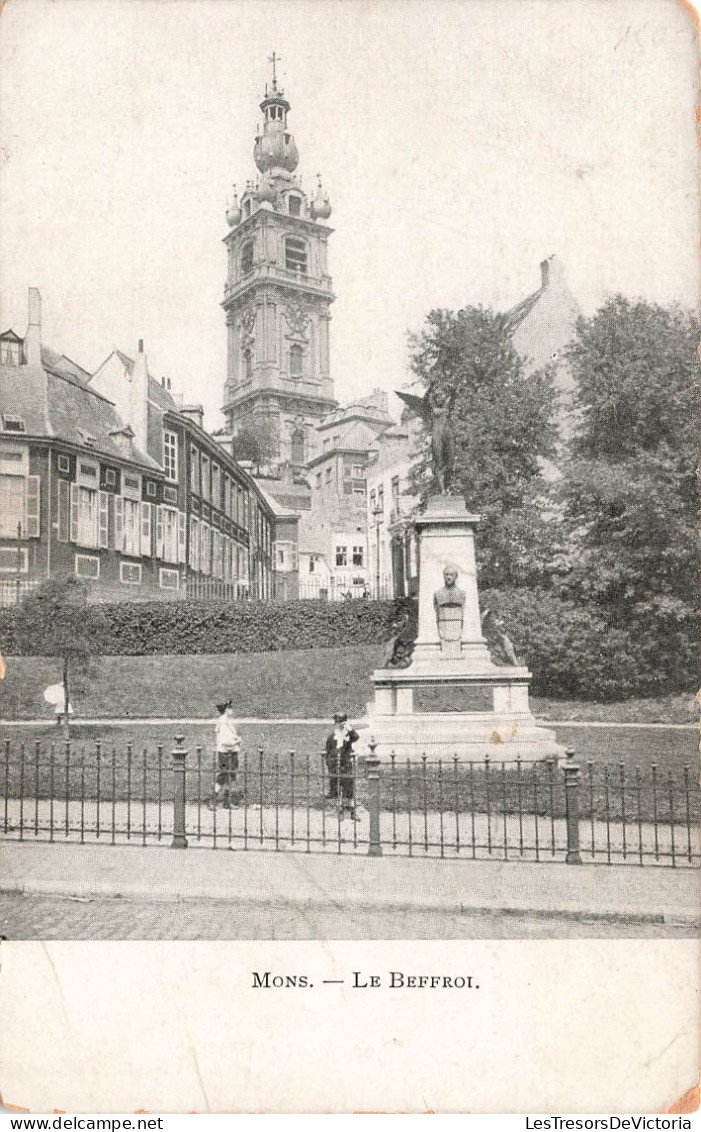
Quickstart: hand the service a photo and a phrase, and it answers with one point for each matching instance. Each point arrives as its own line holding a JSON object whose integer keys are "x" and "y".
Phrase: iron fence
{"x": 272, "y": 800}
{"x": 12, "y": 591}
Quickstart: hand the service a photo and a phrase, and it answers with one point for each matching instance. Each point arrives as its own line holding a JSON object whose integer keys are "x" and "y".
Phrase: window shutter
{"x": 118, "y": 522}
{"x": 146, "y": 529}
{"x": 75, "y": 509}
{"x": 159, "y": 532}
{"x": 32, "y": 515}
{"x": 103, "y": 541}
{"x": 181, "y": 537}
{"x": 64, "y": 508}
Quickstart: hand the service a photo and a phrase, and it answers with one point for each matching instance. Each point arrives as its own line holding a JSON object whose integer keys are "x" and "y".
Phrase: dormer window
{"x": 295, "y": 206}
{"x": 296, "y": 255}
{"x": 87, "y": 438}
{"x": 10, "y": 352}
{"x": 11, "y": 423}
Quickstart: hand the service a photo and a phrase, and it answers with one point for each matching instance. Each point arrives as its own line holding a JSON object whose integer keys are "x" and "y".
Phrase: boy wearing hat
{"x": 339, "y": 763}
{"x": 228, "y": 745}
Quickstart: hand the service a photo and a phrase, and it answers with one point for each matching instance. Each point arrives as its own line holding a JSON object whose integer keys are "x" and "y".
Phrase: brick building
{"x": 103, "y": 476}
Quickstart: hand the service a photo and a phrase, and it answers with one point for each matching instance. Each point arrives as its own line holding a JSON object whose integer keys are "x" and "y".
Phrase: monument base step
{"x": 469, "y": 736}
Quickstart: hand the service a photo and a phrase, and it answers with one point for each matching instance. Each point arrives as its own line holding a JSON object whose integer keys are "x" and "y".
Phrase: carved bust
{"x": 449, "y": 602}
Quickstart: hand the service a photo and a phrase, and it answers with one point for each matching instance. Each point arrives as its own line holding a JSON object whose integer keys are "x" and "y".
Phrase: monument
{"x": 448, "y": 697}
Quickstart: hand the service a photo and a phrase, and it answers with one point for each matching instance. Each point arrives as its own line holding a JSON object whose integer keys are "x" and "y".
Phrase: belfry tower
{"x": 277, "y": 295}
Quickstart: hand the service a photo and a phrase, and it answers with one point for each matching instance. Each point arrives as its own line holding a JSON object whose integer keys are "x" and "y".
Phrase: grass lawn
{"x": 301, "y": 684}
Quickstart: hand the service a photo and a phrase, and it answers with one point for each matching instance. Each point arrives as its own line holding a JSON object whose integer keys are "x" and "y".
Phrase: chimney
{"x": 193, "y": 413}
{"x": 32, "y": 339}
{"x": 138, "y": 399}
{"x": 551, "y": 271}
{"x": 168, "y": 384}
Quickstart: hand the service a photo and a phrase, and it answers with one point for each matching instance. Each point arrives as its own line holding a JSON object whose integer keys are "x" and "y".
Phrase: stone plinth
{"x": 483, "y": 707}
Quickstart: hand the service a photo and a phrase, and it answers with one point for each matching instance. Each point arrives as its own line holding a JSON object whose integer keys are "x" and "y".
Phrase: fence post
{"x": 372, "y": 764}
{"x": 179, "y": 755}
{"x": 571, "y": 770}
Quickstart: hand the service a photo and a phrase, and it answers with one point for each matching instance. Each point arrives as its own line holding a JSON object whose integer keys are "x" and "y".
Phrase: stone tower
{"x": 277, "y": 296}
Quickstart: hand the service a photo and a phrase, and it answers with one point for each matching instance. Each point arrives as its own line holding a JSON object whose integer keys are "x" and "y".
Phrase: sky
{"x": 461, "y": 142}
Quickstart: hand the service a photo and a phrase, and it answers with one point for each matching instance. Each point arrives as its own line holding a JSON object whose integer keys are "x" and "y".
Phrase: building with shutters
{"x": 103, "y": 476}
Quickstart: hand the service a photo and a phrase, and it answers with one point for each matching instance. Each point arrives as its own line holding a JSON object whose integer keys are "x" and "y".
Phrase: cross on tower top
{"x": 274, "y": 59}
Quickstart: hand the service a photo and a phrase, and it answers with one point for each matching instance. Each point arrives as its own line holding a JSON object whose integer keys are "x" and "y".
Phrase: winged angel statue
{"x": 435, "y": 410}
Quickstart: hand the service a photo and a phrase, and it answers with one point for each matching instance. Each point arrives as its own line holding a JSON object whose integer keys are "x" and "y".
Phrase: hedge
{"x": 192, "y": 627}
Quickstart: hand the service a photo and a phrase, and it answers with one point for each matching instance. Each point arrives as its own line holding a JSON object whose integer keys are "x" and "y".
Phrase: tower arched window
{"x": 297, "y": 446}
{"x": 247, "y": 257}
{"x": 296, "y": 356}
{"x": 247, "y": 364}
{"x": 295, "y": 255}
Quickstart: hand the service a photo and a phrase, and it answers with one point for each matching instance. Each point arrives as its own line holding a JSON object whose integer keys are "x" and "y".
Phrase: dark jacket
{"x": 347, "y": 747}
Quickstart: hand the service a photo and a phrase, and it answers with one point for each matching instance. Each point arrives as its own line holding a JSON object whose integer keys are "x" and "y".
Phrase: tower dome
{"x": 275, "y": 148}
{"x": 320, "y": 207}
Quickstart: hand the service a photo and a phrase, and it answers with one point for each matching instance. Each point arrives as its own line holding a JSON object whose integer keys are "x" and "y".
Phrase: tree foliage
{"x": 503, "y": 423}
{"x": 256, "y": 441}
{"x": 630, "y": 488}
{"x": 58, "y": 615}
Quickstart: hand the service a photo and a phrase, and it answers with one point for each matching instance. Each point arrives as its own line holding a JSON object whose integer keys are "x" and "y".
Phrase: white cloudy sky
{"x": 461, "y": 142}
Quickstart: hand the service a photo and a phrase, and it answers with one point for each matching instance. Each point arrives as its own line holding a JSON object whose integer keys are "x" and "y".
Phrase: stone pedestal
{"x": 453, "y": 700}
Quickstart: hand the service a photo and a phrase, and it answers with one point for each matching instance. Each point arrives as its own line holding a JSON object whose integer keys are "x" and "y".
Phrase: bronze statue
{"x": 435, "y": 409}
{"x": 401, "y": 644}
{"x": 449, "y": 603}
{"x": 499, "y": 643}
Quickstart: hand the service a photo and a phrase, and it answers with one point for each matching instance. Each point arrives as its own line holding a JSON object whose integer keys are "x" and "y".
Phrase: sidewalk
{"x": 327, "y": 882}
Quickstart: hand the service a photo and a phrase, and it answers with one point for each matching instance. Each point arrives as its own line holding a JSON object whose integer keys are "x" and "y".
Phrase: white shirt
{"x": 228, "y": 737}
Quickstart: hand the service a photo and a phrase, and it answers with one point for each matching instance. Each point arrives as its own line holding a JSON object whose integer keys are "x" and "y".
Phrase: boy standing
{"x": 228, "y": 745}
{"x": 339, "y": 763}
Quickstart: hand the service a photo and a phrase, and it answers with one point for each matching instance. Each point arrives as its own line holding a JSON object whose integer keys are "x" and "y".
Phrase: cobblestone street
{"x": 53, "y": 917}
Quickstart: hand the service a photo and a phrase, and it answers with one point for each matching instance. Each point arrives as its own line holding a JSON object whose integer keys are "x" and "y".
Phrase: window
{"x": 170, "y": 495}
{"x": 312, "y": 564}
{"x": 169, "y": 579}
{"x": 110, "y": 477}
{"x": 195, "y": 471}
{"x": 227, "y": 495}
{"x": 12, "y": 490}
{"x": 88, "y": 472}
{"x": 296, "y": 355}
{"x": 194, "y": 544}
{"x": 216, "y": 486}
{"x": 381, "y": 497}
{"x": 358, "y": 471}
{"x": 296, "y": 255}
{"x": 205, "y": 549}
{"x": 372, "y": 499}
{"x": 318, "y": 479}
{"x": 12, "y": 424}
{"x": 130, "y": 573}
{"x": 205, "y": 476}
{"x": 297, "y": 446}
{"x": 358, "y": 489}
{"x": 341, "y": 556}
{"x": 131, "y": 536}
{"x": 327, "y": 444}
{"x": 337, "y": 440}
{"x": 358, "y": 556}
{"x": 347, "y": 471}
{"x": 247, "y": 365}
{"x": 131, "y": 486}
{"x": 10, "y": 557}
{"x": 87, "y": 566}
{"x": 151, "y": 490}
{"x": 167, "y": 543}
{"x": 170, "y": 455}
{"x": 295, "y": 206}
{"x": 247, "y": 254}
{"x": 329, "y": 473}
{"x": 64, "y": 464}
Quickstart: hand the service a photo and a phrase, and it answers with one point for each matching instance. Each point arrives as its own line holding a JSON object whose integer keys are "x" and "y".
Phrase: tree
{"x": 630, "y": 485}
{"x": 57, "y": 618}
{"x": 256, "y": 441}
{"x": 504, "y": 429}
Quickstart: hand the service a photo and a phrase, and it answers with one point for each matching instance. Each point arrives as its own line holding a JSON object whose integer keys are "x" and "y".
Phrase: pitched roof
{"x": 76, "y": 411}
{"x": 59, "y": 364}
